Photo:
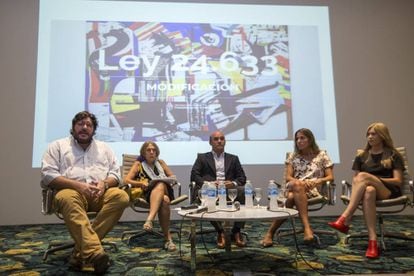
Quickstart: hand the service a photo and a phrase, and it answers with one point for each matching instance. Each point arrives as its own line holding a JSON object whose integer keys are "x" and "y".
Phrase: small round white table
{"x": 229, "y": 215}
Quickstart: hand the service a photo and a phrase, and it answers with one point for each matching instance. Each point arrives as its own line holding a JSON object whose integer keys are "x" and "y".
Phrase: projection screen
{"x": 175, "y": 72}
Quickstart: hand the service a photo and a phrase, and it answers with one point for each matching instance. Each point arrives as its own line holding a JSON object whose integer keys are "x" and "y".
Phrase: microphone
{"x": 200, "y": 210}
{"x": 237, "y": 205}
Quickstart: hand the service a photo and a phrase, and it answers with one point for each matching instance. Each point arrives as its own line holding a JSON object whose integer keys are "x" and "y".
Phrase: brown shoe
{"x": 239, "y": 240}
{"x": 100, "y": 262}
{"x": 221, "y": 241}
{"x": 75, "y": 261}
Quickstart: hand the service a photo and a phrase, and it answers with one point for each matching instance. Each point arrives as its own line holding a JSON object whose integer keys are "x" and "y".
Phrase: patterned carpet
{"x": 22, "y": 250}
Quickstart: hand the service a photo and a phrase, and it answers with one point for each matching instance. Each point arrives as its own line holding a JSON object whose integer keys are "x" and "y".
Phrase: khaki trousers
{"x": 74, "y": 207}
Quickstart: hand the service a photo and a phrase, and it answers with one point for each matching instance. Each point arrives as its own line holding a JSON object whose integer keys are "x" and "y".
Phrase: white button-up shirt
{"x": 65, "y": 157}
{"x": 219, "y": 162}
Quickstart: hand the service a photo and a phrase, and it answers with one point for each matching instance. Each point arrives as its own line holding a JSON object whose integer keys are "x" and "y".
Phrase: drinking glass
{"x": 283, "y": 197}
{"x": 202, "y": 197}
{"x": 232, "y": 194}
{"x": 258, "y": 195}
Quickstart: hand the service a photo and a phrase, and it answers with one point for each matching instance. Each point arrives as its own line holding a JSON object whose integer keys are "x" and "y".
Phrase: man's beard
{"x": 81, "y": 140}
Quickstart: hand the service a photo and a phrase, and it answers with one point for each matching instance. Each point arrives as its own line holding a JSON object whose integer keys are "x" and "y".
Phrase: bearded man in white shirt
{"x": 84, "y": 173}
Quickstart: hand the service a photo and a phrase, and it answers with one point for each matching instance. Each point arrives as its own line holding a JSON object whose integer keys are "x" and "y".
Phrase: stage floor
{"x": 22, "y": 248}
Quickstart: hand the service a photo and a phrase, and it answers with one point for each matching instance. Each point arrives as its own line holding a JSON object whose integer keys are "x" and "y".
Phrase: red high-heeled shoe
{"x": 339, "y": 225}
{"x": 372, "y": 251}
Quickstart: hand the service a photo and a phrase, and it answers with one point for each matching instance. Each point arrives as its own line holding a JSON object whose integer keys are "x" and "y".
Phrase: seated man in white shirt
{"x": 84, "y": 173}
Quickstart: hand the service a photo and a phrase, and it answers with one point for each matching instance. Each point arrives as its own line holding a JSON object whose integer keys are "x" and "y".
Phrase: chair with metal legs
{"x": 58, "y": 245}
{"x": 327, "y": 196}
{"x": 386, "y": 206}
{"x": 140, "y": 205}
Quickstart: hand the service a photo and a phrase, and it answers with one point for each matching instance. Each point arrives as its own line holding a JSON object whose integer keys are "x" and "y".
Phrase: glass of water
{"x": 283, "y": 197}
{"x": 202, "y": 195}
{"x": 232, "y": 194}
{"x": 258, "y": 195}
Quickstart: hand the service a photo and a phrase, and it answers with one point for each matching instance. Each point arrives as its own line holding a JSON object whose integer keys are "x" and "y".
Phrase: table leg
{"x": 295, "y": 237}
{"x": 193, "y": 245}
{"x": 227, "y": 235}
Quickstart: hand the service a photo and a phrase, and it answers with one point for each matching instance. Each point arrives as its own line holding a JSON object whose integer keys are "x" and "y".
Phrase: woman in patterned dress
{"x": 307, "y": 168}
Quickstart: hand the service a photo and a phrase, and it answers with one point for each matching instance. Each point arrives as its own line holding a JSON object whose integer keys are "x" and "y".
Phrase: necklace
{"x": 376, "y": 152}
{"x": 308, "y": 157}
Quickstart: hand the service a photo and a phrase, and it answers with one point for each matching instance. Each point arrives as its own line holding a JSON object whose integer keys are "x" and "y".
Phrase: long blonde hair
{"x": 389, "y": 150}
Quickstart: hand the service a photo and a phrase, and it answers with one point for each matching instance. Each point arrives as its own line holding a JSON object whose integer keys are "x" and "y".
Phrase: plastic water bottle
{"x": 248, "y": 193}
{"x": 222, "y": 195}
{"x": 211, "y": 197}
{"x": 272, "y": 192}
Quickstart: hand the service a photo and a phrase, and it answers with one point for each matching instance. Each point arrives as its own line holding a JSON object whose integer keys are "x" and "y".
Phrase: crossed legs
{"x": 366, "y": 188}
{"x": 160, "y": 204}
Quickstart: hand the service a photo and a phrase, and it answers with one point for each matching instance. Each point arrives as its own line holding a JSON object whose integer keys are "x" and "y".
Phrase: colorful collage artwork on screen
{"x": 181, "y": 81}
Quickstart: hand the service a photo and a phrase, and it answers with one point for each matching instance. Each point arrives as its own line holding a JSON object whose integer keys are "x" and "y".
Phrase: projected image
{"x": 181, "y": 81}
{"x": 175, "y": 72}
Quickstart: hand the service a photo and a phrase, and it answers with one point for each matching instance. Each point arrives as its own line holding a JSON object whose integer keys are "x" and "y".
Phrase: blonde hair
{"x": 389, "y": 150}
